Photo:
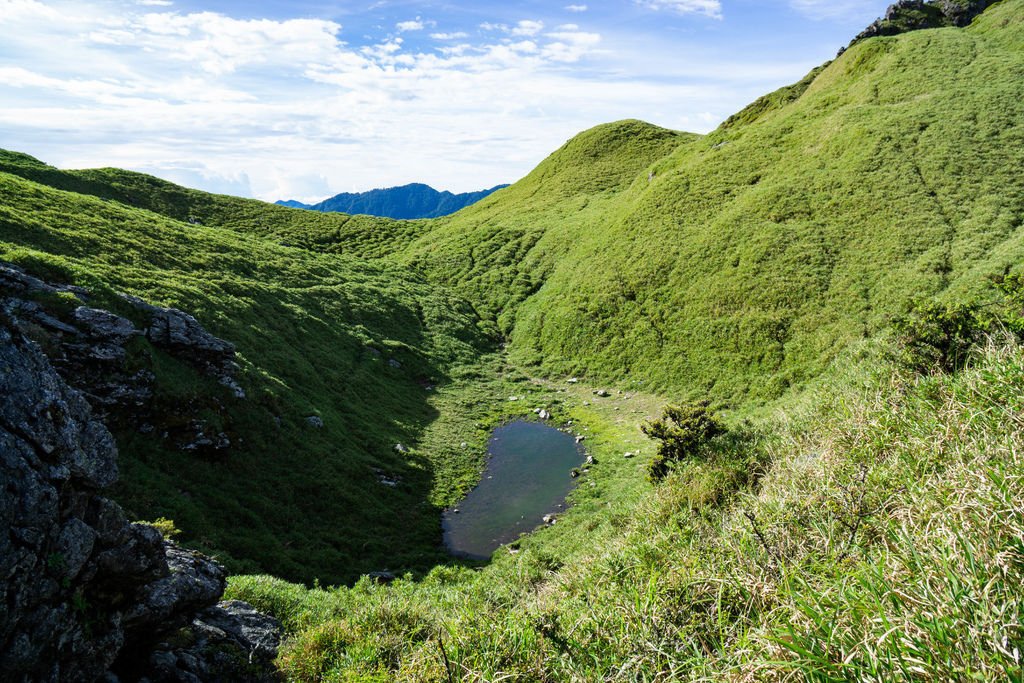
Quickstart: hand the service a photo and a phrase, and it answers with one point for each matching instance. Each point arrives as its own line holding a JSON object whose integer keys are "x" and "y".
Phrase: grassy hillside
{"x": 315, "y": 334}
{"x": 741, "y": 263}
{"x": 884, "y": 543}
{"x": 364, "y": 236}
{"x": 860, "y": 522}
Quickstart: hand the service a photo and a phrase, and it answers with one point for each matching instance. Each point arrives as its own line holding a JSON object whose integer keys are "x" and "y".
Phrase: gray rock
{"x": 914, "y": 15}
{"x": 104, "y": 325}
{"x": 193, "y": 582}
{"x": 315, "y": 421}
{"x": 16, "y": 280}
{"x": 88, "y": 595}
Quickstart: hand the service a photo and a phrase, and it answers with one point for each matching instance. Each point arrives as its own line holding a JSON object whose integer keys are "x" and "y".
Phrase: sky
{"x": 304, "y": 99}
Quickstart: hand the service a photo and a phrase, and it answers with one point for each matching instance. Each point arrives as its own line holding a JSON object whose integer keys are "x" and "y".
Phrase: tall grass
{"x": 884, "y": 541}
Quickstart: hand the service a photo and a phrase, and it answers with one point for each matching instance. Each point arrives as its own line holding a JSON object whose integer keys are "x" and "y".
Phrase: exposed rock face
{"x": 914, "y": 15}
{"x": 84, "y": 591}
{"x": 92, "y": 349}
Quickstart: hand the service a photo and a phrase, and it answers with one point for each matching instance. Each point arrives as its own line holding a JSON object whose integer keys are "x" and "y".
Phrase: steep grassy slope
{"x": 883, "y": 545}
{"x": 739, "y": 264}
{"x": 501, "y": 250}
{"x": 315, "y": 334}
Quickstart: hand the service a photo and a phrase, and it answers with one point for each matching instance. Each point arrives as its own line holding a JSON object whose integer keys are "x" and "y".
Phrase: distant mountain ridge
{"x": 414, "y": 200}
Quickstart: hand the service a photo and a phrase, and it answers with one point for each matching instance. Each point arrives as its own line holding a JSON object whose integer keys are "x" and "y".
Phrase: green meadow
{"x": 808, "y": 269}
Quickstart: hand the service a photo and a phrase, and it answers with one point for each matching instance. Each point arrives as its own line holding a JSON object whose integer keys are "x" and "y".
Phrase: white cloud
{"x": 711, "y": 8}
{"x": 220, "y": 44}
{"x": 837, "y": 9}
{"x": 414, "y": 25}
{"x": 527, "y": 27}
{"x": 458, "y": 35}
{"x": 288, "y": 109}
{"x": 18, "y": 10}
{"x": 576, "y": 8}
{"x": 154, "y": 3}
{"x": 570, "y": 46}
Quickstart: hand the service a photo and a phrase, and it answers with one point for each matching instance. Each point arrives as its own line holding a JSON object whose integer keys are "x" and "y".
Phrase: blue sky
{"x": 309, "y": 98}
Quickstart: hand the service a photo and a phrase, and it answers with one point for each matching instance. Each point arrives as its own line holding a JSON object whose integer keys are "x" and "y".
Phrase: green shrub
{"x": 165, "y": 526}
{"x": 684, "y": 431}
{"x": 938, "y": 337}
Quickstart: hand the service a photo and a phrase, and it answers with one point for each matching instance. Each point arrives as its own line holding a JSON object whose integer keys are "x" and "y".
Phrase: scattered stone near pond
{"x": 401, "y": 448}
{"x": 386, "y": 479}
{"x": 396, "y": 364}
{"x": 603, "y": 393}
{"x": 580, "y": 438}
{"x": 591, "y": 460}
{"x": 549, "y": 519}
{"x": 89, "y": 595}
{"x": 315, "y": 421}
{"x": 544, "y": 415}
{"x": 628, "y": 454}
{"x": 573, "y": 380}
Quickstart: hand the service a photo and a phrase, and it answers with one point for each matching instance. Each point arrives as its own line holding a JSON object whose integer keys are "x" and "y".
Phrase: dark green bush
{"x": 684, "y": 431}
{"x": 936, "y": 337}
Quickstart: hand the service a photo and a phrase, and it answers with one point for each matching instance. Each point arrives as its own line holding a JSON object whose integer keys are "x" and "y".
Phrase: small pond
{"x": 527, "y": 476}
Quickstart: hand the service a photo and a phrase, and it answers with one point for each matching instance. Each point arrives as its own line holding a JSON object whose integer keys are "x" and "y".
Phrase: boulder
{"x": 104, "y": 325}
{"x": 88, "y": 595}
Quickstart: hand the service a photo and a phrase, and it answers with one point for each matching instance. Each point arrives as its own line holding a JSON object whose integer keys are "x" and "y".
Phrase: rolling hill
{"x": 760, "y": 267}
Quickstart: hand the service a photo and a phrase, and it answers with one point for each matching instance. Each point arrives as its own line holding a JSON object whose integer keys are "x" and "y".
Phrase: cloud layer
{"x": 303, "y": 108}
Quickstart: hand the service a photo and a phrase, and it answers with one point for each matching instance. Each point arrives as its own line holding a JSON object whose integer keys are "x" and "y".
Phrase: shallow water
{"x": 527, "y": 477}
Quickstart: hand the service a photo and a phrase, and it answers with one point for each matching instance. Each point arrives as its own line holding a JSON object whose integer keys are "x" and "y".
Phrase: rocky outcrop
{"x": 87, "y": 594}
{"x": 914, "y": 15}
{"x": 97, "y": 352}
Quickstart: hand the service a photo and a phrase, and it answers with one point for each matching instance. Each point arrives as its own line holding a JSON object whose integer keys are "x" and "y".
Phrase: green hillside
{"x": 740, "y": 263}
{"x": 860, "y": 517}
{"x": 315, "y": 335}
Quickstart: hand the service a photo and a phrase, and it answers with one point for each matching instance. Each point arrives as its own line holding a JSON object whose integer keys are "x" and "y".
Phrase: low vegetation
{"x": 826, "y": 292}
{"x": 883, "y": 542}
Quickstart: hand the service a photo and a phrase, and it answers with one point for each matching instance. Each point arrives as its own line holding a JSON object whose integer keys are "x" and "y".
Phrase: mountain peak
{"x": 414, "y": 200}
